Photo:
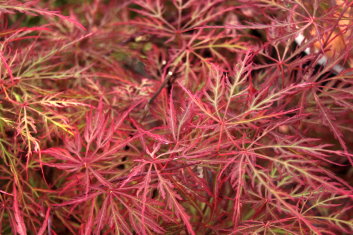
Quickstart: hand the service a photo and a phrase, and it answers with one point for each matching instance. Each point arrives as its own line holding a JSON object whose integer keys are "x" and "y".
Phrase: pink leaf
{"x": 45, "y": 223}
{"x": 20, "y": 224}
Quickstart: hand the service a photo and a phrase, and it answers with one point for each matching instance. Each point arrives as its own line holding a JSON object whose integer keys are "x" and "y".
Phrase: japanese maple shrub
{"x": 176, "y": 117}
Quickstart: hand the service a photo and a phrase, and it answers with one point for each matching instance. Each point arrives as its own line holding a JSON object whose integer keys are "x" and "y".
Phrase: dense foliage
{"x": 176, "y": 117}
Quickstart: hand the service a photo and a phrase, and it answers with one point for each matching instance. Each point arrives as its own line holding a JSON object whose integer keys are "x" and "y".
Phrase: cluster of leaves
{"x": 175, "y": 117}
